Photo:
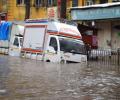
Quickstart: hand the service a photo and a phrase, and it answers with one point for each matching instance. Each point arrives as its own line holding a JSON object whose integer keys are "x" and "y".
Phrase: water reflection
{"x": 24, "y": 79}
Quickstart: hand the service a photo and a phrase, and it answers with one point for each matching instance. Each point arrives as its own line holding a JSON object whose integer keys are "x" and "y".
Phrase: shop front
{"x": 103, "y": 22}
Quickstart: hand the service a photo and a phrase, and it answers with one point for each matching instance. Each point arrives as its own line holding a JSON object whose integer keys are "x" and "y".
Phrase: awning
{"x": 96, "y": 12}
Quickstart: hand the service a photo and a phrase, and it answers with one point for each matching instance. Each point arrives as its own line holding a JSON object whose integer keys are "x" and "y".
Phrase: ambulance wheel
{"x": 62, "y": 61}
{"x": 48, "y": 60}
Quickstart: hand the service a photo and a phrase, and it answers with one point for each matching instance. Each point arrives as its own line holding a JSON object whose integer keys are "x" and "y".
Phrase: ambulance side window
{"x": 53, "y": 43}
{"x": 16, "y": 42}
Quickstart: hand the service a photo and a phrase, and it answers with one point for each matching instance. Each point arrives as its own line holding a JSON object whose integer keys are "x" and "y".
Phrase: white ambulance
{"x": 53, "y": 41}
{"x": 16, "y": 38}
{"x": 12, "y": 45}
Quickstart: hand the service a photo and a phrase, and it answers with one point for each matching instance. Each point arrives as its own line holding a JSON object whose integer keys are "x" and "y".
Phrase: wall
{"x": 17, "y": 12}
{"x": 98, "y": 1}
{"x": 69, "y": 4}
{"x": 109, "y": 1}
{"x": 104, "y": 34}
{"x": 11, "y": 6}
{"x": 115, "y": 35}
{"x": 3, "y": 6}
{"x": 38, "y": 13}
{"x": 108, "y": 33}
{"x": 0, "y": 5}
{"x": 81, "y": 2}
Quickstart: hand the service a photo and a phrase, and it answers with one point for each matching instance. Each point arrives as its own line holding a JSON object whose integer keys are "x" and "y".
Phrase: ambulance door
{"x": 15, "y": 47}
{"x": 53, "y": 51}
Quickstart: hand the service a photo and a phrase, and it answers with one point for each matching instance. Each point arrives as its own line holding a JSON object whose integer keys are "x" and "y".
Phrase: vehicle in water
{"x": 53, "y": 41}
{"x": 11, "y": 37}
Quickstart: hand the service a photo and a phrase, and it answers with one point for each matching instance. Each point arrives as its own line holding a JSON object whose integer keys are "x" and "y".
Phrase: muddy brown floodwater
{"x": 25, "y": 79}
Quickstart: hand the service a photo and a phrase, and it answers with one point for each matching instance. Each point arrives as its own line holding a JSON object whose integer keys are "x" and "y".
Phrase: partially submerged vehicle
{"x": 53, "y": 41}
{"x": 11, "y": 38}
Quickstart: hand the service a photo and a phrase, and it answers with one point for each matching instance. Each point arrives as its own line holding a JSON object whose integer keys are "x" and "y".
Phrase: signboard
{"x": 96, "y": 13}
{"x": 52, "y": 12}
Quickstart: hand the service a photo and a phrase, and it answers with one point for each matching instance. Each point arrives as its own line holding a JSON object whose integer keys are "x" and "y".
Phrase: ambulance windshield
{"x": 72, "y": 46}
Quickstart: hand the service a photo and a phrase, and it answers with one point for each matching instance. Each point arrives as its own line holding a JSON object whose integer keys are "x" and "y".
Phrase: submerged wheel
{"x": 48, "y": 60}
{"x": 62, "y": 61}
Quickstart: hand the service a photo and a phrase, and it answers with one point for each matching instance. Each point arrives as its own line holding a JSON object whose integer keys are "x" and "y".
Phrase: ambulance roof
{"x": 50, "y": 20}
{"x": 57, "y": 26}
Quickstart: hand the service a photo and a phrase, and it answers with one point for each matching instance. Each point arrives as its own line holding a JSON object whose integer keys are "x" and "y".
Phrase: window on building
{"x": 115, "y": 0}
{"x": 52, "y": 2}
{"x": 55, "y": 2}
{"x": 89, "y": 2}
{"x": 38, "y": 3}
{"x": 20, "y": 2}
{"x": 103, "y": 1}
{"x": 74, "y": 3}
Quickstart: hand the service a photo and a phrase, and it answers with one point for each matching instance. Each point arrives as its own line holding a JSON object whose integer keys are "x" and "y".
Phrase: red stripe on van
{"x": 31, "y": 50}
{"x": 43, "y": 26}
{"x": 64, "y": 34}
{"x": 69, "y": 35}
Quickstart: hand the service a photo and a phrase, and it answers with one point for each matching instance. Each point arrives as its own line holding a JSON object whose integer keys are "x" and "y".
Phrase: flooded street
{"x": 25, "y": 79}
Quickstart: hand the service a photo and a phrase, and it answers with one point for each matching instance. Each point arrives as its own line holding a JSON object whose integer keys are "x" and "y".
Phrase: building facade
{"x": 17, "y": 9}
{"x": 98, "y": 31}
{"x": 3, "y": 10}
{"x": 101, "y": 21}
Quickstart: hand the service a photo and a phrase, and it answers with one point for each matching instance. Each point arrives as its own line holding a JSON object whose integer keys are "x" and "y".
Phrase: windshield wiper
{"x": 75, "y": 52}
